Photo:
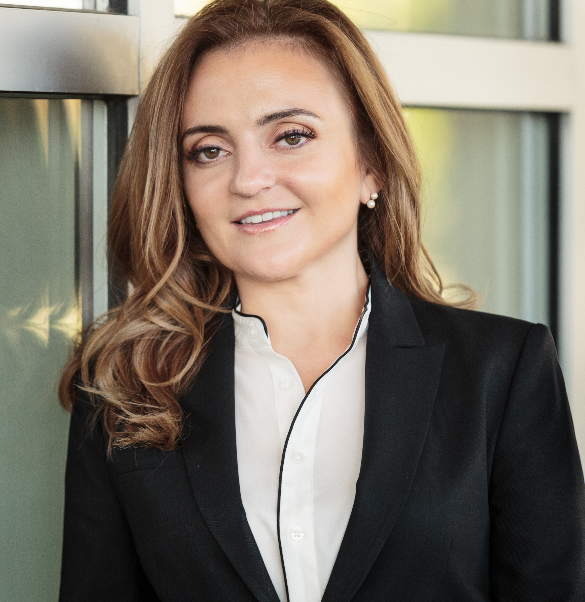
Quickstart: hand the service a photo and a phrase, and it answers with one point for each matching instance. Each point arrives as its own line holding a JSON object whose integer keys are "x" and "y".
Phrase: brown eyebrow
{"x": 204, "y": 129}
{"x": 264, "y": 120}
{"x": 283, "y": 115}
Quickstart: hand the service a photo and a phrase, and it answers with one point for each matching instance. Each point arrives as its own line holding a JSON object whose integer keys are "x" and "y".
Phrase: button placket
{"x": 287, "y": 392}
{"x": 296, "y": 518}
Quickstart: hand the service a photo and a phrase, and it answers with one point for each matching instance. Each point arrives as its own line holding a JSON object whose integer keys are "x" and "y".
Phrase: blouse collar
{"x": 251, "y": 330}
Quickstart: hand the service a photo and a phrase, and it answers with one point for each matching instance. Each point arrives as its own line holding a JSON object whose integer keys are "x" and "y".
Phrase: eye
{"x": 295, "y": 137}
{"x": 210, "y": 153}
{"x": 207, "y": 154}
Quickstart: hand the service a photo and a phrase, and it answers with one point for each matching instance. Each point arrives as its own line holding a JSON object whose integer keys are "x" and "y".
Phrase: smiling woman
{"x": 282, "y": 163}
{"x": 285, "y": 407}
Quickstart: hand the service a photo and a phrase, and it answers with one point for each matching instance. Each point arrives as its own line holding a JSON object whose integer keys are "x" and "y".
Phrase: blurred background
{"x": 494, "y": 95}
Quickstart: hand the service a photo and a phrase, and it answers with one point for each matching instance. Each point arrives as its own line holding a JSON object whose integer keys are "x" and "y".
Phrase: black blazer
{"x": 471, "y": 487}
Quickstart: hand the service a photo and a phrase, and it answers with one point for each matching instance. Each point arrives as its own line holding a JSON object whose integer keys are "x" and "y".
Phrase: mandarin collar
{"x": 251, "y": 331}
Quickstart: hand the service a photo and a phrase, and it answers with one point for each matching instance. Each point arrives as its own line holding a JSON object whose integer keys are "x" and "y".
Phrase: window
{"x": 61, "y": 129}
{"x": 528, "y": 19}
{"x": 488, "y": 204}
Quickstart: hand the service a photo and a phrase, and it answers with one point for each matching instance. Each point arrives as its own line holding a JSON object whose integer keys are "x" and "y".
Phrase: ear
{"x": 369, "y": 186}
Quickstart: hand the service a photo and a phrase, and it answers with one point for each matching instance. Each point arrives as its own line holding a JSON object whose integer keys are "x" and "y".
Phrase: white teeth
{"x": 265, "y": 217}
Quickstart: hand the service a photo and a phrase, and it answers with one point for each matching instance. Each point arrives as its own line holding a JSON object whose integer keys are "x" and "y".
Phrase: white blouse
{"x": 321, "y": 457}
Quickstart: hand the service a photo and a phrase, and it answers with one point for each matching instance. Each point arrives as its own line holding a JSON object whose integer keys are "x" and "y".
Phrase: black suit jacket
{"x": 470, "y": 488}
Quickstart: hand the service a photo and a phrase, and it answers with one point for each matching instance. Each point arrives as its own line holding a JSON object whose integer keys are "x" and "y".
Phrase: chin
{"x": 266, "y": 273}
{"x": 270, "y": 268}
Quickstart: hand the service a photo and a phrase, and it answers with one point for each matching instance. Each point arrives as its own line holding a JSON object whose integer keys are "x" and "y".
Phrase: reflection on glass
{"x": 187, "y": 8}
{"x": 70, "y": 4}
{"x": 496, "y": 18}
{"x": 98, "y": 5}
{"x": 39, "y": 155}
{"x": 486, "y": 204}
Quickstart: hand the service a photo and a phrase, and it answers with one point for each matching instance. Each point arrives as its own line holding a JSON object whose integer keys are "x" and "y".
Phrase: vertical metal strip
{"x": 100, "y": 208}
{"x": 84, "y": 220}
{"x": 117, "y": 136}
{"x": 555, "y": 20}
{"x": 554, "y": 194}
{"x": 528, "y": 200}
{"x": 119, "y": 7}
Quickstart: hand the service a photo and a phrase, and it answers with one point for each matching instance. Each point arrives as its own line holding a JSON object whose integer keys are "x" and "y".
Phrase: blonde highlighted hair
{"x": 138, "y": 362}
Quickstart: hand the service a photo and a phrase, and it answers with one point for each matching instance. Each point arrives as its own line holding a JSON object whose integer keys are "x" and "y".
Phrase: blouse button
{"x": 253, "y": 332}
{"x": 297, "y": 534}
{"x": 286, "y": 384}
{"x": 298, "y": 458}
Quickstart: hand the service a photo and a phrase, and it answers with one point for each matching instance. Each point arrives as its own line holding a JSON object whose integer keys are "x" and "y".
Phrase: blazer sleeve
{"x": 537, "y": 491}
{"x": 99, "y": 559}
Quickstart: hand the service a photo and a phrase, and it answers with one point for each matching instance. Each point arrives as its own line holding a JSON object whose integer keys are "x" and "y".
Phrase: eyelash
{"x": 194, "y": 154}
{"x": 304, "y": 132}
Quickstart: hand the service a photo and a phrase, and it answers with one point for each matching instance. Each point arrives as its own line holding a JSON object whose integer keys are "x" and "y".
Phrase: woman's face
{"x": 269, "y": 161}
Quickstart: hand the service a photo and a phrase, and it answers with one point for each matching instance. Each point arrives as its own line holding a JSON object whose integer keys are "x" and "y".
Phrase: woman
{"x": 272, "y": 414}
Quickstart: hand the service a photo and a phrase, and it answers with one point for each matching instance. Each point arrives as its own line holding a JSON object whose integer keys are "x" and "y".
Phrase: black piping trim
{"x": 292, "y": 424}
{"x": 249, "y": 315}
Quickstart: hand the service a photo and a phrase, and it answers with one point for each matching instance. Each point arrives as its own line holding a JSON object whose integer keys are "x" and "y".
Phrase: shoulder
{"x": 475, "y": 334}
{"x": 489, "y": 355}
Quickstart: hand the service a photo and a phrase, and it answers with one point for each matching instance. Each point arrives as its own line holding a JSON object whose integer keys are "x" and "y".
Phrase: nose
{"x": 253, "y": 173}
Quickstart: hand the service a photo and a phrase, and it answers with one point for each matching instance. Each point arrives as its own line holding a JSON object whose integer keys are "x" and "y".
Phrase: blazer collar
{"x": 392, "y": 315}
{"x": 211, "y": 457}
{"x": 402, "y": 378}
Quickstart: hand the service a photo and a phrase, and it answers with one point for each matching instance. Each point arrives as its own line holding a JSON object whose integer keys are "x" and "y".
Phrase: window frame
{"x": 100, "y": 53}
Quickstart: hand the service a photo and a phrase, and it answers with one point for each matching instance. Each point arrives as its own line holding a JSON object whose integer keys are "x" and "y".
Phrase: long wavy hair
{"x": 136, "y": 363}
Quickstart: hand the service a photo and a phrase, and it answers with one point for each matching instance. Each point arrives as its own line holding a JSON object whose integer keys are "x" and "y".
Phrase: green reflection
{"x": 39, "y": 146}
{"x": 486, "y": 204}
{"x": 501, "y": 18}
{"x": 494, "y": 18}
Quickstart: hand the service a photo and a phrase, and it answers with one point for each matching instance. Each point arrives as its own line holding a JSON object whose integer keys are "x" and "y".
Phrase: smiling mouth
{"x": 266, "y": 217}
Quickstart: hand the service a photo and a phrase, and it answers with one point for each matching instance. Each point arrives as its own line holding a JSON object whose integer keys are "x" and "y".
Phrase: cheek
{"x": 213, "y": 236}
{"x": 206, "y": 221}
{"x": 203, "y": 198}
{"x": 324, "y": 175}
{"x": 331, "y": 179}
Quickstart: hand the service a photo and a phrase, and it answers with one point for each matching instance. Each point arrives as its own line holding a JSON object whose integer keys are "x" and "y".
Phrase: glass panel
{"x": 39, "y": 313}
{"x": 69, "y": 4}
{"x": 528, "y": 19}
{"x": 486, "y": 204}
{"x": 98, "y": 5}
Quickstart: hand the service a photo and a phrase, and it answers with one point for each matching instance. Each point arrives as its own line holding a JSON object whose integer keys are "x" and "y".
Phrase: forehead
{"x": 260, "y": 76}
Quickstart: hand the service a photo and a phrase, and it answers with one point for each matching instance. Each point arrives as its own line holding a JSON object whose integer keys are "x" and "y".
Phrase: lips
{"x": 267, "y": 221}
{"x": 265, "y": 215}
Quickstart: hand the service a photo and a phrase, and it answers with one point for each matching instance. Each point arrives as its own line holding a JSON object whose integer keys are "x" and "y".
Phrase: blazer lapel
{"x": 402, "y": 379}
{"x": 211, "y": 457}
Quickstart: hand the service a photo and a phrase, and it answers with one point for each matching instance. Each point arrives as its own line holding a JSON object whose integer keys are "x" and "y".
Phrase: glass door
{"x": 55, "y": 106}
{"x": 40, "y": 313}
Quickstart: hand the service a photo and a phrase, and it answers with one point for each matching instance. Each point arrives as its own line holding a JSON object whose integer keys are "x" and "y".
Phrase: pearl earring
{"x": 372, "y": 202}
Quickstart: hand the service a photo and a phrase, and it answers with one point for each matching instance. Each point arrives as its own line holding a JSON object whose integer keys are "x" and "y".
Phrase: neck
{"x": 311, "y": 316}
